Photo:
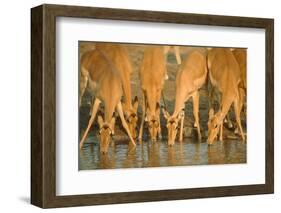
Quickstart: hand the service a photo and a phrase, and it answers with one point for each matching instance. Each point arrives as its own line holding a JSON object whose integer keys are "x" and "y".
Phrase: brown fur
{"x": 190, "y": 78}
{"x": 224, "y": 74}
{"x": 105, "y": 83}
{"x": 241, "y": 57}
{"x": 152, "y": 76}
{"x": 118, "y": 56}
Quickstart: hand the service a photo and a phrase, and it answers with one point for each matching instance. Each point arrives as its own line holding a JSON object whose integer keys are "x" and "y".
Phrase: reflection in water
{"x": 156, "y": 154}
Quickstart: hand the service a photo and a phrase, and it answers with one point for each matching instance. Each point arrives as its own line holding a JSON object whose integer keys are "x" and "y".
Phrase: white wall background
{"x": 15, "y": 104}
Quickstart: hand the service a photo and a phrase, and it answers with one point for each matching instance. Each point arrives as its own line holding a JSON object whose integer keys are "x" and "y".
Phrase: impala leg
{"x": 241, "y": 98}
{"x": 240, "y": 106}
{"x": 237, "y": 115}
{"x": 222, "y": 122}
{"x": 177, "y": 53}
{"x": 196, "y": 113}
{"x": 92, "y": 102}
{"x": 143, "y": 116}
{"x": 83, "y": 83}
{"x": 182, "y": 123}
{"x": 94, "y": 112}
{"x": 124, "y": 123}
{"x": 221, "y": 132}
{"x": 159, "y": 130}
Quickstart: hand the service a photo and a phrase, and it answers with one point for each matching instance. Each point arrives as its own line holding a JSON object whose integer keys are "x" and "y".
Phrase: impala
{"x": 241, "y": 57}
{"x": 224, "y": 74}
{"x": 190, "y": 78}
{"x": 152, "y": 76}
{"x": 118, "y": 56}
{"x": 105, "y": 82}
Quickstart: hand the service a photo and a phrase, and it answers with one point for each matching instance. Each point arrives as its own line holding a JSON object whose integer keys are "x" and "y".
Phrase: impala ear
{"x": 157, "y": 111}
{"x": 148, "y": 115}
{"x": 125, "y": 109}
{"x": 166, "y": 76}
{"x": 100, "y": 121}
{"x": 136, "y": 103}
{"x": 211, "y": 113}
{"x": 112, "y": 122}
{"x": 123, "y": 105}
{"x": 146, "y": 119}
{"x": 165, "y": 113}
{"x": 180, "y": 114}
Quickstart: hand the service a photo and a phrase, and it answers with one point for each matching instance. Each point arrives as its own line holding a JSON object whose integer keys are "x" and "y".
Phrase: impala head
{"x": 172, "y": 127}
{"x": 106, "y": 131}
{"x": 214, "y": 123}
{"x": 153, "y": 122}
{"x": 132, "y": 117}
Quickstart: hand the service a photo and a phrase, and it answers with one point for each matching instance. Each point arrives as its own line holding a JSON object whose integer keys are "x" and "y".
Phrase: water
{"x": 158, "y": 154}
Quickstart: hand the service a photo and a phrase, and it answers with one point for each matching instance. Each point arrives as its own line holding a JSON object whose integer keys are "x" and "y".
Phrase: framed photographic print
{"x": 136, "y": 106}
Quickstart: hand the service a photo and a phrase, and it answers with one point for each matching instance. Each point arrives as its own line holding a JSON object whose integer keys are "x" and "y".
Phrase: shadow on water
{"x": 158, "y": 154}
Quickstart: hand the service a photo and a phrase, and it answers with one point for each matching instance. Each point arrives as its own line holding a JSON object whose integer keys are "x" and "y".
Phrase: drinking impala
{"x": 105, "y": 82}
{"x": 190, "y": 78}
